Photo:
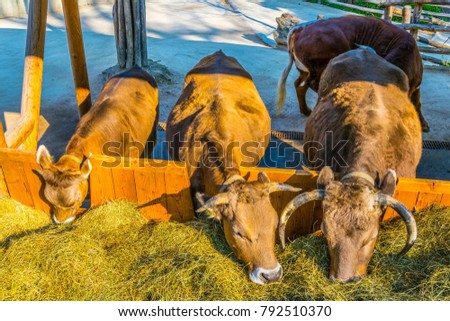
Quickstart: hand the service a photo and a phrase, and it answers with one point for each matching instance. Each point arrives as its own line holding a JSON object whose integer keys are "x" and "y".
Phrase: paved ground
{"x": 180, "y": 33}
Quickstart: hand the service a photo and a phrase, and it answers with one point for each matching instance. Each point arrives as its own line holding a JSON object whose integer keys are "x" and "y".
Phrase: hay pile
{"x": 112, "y": 253}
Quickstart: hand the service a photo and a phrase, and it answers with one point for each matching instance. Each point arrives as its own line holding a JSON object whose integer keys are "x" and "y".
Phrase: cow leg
{"x": 415, "y": 99}
{"x": 301, "y": 87}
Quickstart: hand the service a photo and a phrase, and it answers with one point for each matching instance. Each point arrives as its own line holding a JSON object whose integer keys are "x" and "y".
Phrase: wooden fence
{"x": 161, "y": 188}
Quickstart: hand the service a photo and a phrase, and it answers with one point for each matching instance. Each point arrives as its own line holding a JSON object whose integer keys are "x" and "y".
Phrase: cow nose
{"x": 56, "y": 221}
{"x": 352, "y": 279}
{"x": 272, "y": 277}
{"x": 264, "y": 276}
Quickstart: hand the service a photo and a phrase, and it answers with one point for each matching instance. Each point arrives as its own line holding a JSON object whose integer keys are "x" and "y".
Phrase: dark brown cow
{"x": 311, "y": 46}
{"x": 124, "y": 117}
{"x": 218, "y": 125}
{"x": 368, "y": 112}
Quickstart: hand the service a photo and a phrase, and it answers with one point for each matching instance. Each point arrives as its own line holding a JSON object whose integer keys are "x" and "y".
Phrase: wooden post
{"x": 33, "y": 70}
{"x": 416, "y": 18}
{"x": 406, "y": 15}
{"x": 130, "y": 33}
{"x": 77, "y": 55}
{"x": 388, "y": 13}
{"x": 2, "y": 137}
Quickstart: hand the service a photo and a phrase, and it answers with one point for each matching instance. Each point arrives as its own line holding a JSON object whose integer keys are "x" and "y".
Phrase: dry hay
{"x": 112, "y": 253}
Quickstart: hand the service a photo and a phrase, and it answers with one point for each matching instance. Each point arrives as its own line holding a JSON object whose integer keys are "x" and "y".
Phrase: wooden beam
{"x": 26, "y": 131}
{"x": 143, "y": 36}
{"x": 388, "y": 13}
{"x": 21, "y": 130}
{"x": 416, "y": 19}
{"x": 432, "y": 43}
{"x": 11, "y": 118}
{"x": 395, "y": 2}
{"x": 416, "y": 26}
{"x": 438, "y": 61}
{"x": 406, "y": 15}
{"x": 129, "y": 26}
{"x": 2, "y": 137}
{"x": 438, "y": 51}
{"x": 77, "y": 55}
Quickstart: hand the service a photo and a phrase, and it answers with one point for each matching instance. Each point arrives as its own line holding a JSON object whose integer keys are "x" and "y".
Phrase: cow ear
{"x": 326, "y": 176}
{"x": 86, "y": 168}
{"x": 389, "y": 182}
{"x": 43, "y": 157}
{"x": 263, "y": 178}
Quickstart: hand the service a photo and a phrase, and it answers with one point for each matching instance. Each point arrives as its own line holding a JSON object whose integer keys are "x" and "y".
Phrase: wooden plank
{"x": 143, "y": 33}
{"x": 395, "y": 2}
{"x": 426, "y": 199}
{"x": 438, "y": 61}
{"x": 179, "y": 200}
{"x": 128, "y": 18}
{"x": 124, "y": 185}
{"x": 77, "y": 55}
{"x": 440, "y": 51}
{"x": 408, "y": 198}
{"x": 416, "y": 25}
{"x": 18, "y": 187}
{"x": 101, "y": 185}
{"x": 2, "y": 137}
{"x": 12, "y": 118}
{"x": 432, "y": 43}
{"x": 33, "y": 68}
{"x": 35, "y": 183}
{"x": 388, "y": 13}
{"x": 445, "y": 201}
{"x": 406, "y": 15}
{"x": 3, "y": 187}
{"x": 151, "y": 193}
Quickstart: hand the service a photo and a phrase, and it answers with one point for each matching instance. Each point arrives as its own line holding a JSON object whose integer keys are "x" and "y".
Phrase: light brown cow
{"x": 363, "y": 126}
{"x": 218, "y": 125}
{"x": 122, "y": 120}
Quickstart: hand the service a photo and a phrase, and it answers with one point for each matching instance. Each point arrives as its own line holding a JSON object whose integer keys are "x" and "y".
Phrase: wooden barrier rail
{"x": 24, "y": 132}
{"x": 161, "y": 188}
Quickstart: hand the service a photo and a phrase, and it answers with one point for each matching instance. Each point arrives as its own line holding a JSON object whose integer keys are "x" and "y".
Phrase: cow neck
{"x": 359, "y": 175}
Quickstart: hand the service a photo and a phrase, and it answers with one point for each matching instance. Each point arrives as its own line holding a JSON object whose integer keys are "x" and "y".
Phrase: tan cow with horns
{"x": 218, "y": 125}
{"x": 126, "y": 107}
{"x": 368, "y": 110}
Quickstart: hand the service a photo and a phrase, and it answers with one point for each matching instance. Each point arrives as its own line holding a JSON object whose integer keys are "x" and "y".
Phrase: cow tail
{"x": 281, "y": 93}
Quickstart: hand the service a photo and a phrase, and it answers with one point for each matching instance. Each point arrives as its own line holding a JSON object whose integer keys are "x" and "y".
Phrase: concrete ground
{"x": 179, "y": 34}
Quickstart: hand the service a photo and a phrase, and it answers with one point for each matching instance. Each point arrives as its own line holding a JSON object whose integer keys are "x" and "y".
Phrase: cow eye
{"x": 241, "y": 235}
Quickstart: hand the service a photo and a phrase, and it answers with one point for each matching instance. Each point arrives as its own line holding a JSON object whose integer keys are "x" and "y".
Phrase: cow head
{"x": 249, "y": 222}
{"x": 65, "y": 183}
{"x": 351, "y": 220}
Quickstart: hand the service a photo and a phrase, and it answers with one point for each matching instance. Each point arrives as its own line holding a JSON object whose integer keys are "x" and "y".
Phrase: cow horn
{"x": 386, "y": 200}
{"x": 296, "y": 202}
{"x": 219, "y": 199}
{"x": 279, "y": 187}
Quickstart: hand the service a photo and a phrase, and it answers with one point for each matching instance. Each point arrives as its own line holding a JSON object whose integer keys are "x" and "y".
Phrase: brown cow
{"x": 313, "y": 44}
{"x": 127, "y": 106}
{"x": 367, "y": 112}
{"x": 218, "y": 124}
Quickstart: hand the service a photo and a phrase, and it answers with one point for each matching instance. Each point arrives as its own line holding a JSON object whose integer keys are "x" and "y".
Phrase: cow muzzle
{"x": 352, "y": 279}
{"x": 63, "y": 215}
{"x": 265, "y": 276}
